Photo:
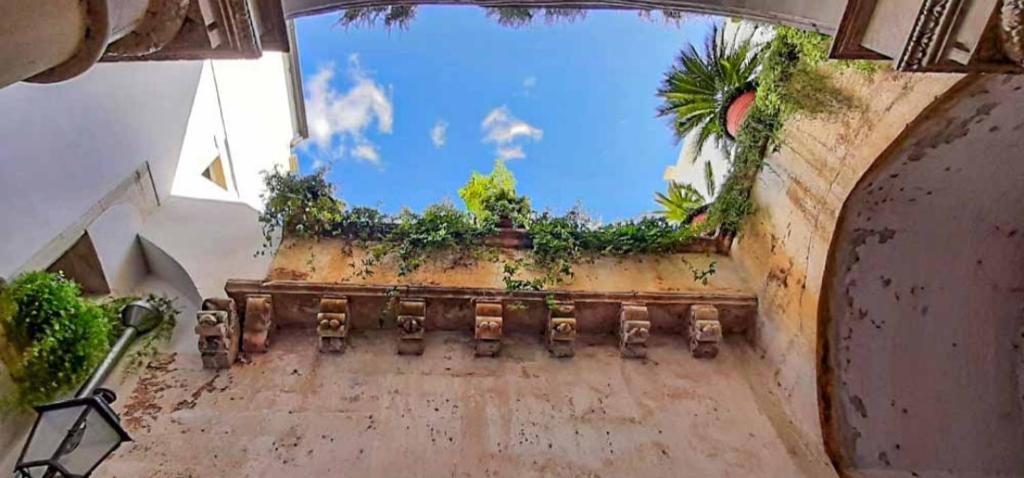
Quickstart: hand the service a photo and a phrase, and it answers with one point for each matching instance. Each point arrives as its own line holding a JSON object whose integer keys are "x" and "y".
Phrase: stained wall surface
{"x": 923, "y": 298}
{"x": 331, "y": 260}
{"x": 798, "y": 195}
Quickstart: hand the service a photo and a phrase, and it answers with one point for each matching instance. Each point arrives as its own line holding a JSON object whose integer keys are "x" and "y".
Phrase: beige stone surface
{"x": 799, "y": 193}
{"x": 371, "y": 413}
{"x": 331, "y": 260}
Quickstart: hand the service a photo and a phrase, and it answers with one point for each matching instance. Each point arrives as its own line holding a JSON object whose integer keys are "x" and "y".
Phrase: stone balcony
{"x": 317, "y": 286}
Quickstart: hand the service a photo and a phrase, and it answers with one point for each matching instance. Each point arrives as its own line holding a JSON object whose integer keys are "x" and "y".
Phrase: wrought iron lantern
{"x": 72, "y": 437}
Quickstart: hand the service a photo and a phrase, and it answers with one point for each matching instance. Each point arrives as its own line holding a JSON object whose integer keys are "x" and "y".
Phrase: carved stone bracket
{"x": 634, "y": 330}
{"x": 488, "y": 326}
{"x": 332, "y": 324}
{"x": 562, "y": 329}
{"x": 259, "y": 315}
{"x": 411, "y": 326}
{"x": 705, "y": 331}
{"x": 218, "y": 330}
{"x": 1011, "y": 30}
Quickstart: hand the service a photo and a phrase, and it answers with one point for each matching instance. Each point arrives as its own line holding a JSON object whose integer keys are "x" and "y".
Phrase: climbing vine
{"x": 409, "y": 239}
{"x": 790, "y": 82}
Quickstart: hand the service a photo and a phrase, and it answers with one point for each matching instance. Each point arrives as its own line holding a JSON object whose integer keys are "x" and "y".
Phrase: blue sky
{"x": 403, "y": 117}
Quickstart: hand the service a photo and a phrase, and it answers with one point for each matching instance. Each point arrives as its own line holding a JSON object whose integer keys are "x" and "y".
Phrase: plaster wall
{"x": 241, "y": 113}
{"x": 798, "y": 195}
{"x": 921, "y": 312}
{"x": 332, "y": 260}
{"x": 65, "y": 146}
{"x": 229, "y": 233}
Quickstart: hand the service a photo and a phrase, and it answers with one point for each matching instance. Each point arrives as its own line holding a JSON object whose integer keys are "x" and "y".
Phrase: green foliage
{"x": 507, "y": 209}
{"x": 52, "y": 338}
{"x": 416, "y": 237}
{"x": 362, "y": 224}
{"x": 480, "y": 189}
{"x": 303, "y": 206}
{"x": 679, "y": 202}
{"x": 709, "y": 179}
{"x": 793, "y": 80}
{"x": 517, "y": 17}
{"x": 702, "y": 84}
{"x": 509, "y": 272}
{"x": 558, "y": 242}
{"x": 145, "y": 347}
{"x": 400, "y": 16}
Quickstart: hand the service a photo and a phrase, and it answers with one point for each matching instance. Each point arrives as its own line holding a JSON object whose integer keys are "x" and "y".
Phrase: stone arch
{"x": 921, "y": 318}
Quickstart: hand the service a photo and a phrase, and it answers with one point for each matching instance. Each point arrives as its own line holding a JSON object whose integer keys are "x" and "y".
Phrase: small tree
{"x": 493, "y": 197}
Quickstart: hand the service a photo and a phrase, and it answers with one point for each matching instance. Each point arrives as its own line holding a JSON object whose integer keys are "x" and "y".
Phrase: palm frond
{"x": 700, "y": 84}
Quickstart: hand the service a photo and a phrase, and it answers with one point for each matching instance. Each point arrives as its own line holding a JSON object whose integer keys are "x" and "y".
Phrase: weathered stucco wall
{"x": 921, "y": 309}
{"x": 799, "y": 193}
{"x": 335, "y": 261}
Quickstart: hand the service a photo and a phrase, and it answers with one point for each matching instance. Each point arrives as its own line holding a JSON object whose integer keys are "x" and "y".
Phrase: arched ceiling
{"x": 922, "y": 312}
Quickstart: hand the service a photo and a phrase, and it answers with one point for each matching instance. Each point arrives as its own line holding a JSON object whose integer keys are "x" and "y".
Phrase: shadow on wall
{"x": 920, "y": 324}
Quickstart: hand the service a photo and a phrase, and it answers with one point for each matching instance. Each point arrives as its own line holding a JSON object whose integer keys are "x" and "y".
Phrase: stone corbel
{"x": 218, "y": 330}
{"x": 487, "y": 328}
{"x": 411, "y": 326}
{"x": 259, "y": 314}
{"x": 705, "y": 331}
{"x": 562, "y": 329}
{"x": 634, "y": 330}
{"x": 332, "y": 324}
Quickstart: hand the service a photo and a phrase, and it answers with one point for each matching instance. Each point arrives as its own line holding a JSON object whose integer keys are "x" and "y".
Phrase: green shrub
{"x": 52, "y": 338}
{"x": 303, "y": 206}
{"x": 505, "y": 208}
{"x": 488, "y": 197}
{"x": 416, "y": 237}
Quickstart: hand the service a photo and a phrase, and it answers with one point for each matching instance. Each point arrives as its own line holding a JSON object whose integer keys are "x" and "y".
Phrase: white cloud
{"x": 337, "y": 118}
{"x": 511, "y": 152}
{"x": 367, "y": 152}
{"x": 529, "y": 82}
{"x": 501, "y": 128}
{"x": 439, "y": 133}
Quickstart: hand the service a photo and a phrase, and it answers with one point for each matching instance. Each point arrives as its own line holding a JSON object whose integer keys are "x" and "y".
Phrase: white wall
{"x": 245, "y": 101}
{"x": 63, "y": 147}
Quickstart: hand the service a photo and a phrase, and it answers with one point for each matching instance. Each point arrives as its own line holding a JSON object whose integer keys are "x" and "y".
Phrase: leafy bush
{"x": 53, "y": 338}
{"x": 363, "y": 224}
{"x": 507, "y": 209}
{"x": 303, "y": 206}
{"x": 416, "y": 237}
{"x": 487, "y": 197}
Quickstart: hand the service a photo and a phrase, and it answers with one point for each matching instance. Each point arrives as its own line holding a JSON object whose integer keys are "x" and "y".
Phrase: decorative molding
{"x": 488, "y": 326}
{"x": 928, "y": 37}
{"x": 332, "y": 324}
{"x": 1011, "y": 30}
{"x": 218, "y": 331}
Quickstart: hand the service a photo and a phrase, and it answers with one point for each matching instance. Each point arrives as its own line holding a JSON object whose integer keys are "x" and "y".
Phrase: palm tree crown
{"x": 679, "y": 202}
{"x": 703, "y": 83}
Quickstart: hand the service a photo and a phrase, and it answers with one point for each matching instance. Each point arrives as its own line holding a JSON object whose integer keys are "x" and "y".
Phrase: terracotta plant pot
{"x": 737, "y": 112}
